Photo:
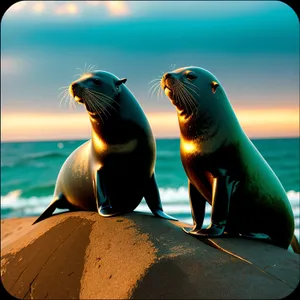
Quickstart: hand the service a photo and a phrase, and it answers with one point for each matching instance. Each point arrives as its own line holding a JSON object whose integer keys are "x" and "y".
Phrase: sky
{"x": 252, "y": 47}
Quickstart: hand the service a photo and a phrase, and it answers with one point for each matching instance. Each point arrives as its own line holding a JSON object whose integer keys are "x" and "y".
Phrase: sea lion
{"x": 114, "y": 170}
{"x": 223, "y": 166}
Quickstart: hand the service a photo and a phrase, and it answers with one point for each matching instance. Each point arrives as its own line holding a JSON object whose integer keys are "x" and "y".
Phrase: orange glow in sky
{"x": 68, "y": 8}
{"x": 256, "y": 124}
{"x": 117, "y": 8}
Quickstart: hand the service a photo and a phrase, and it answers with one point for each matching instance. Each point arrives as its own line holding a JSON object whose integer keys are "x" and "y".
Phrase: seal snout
{"x": 167, "y": 83}
{"x": 73, "y": 89}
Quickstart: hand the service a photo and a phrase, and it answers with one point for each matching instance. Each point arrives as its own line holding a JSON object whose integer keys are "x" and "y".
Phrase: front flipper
{"x": 102, "y": 199}
{"x": 59, "y": 202}
{"x": 220, "y": 208}
{"x": 152, "y": 198}
{"x": 197, "y": 203}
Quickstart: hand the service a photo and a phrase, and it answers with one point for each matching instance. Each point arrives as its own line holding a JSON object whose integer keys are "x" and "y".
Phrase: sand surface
{"x": 81, "y": 255}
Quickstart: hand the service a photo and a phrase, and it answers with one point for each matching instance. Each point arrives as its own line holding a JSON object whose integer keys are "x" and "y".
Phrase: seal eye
{"x": 214, "y": 86}
{"x": 96, "y": 81}
{"x": 191, "y": 76}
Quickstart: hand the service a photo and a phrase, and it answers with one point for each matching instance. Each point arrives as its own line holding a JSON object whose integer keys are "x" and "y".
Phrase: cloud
{"x": 67, "y": 9}
{"x": 70, "y": 8}
{"x": 11, "y": 65}
{"x": 38, "y": 7}
{"x": 117, "y": 8}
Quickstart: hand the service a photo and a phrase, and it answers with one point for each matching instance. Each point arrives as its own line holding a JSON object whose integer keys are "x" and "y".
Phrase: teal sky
{"x": 251, "y": 47}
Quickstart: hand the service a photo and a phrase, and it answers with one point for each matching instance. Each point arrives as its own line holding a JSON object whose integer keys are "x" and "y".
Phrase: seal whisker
{"x": 78, "y": 74}
{"x": 100, "y": 105}
{"x": 109, "y": 104}
{"x": 90, "y": 104}
{"x": 154, "y": 88}
{"x": 172, "y": 66}
{"x": 102, "y": 108}
{"x": 187, "y": 85}
{"x": 188, "y": 82}
{"x": 63, "y": 87}
{"x": 154, "y": 85}
{"x": 155, "y": 79}
{"x": 103, "y": 98}
{"x": 177, "y": 94}
{"x": 62, "y": 93}
{"x": 97, "y": 110}
{"x": 66, "y": 90}
{"x": 64, "y": 97}
{"x": 161, "y": 93}
{"x": 80, "y": 70}
{"x": 182, "y": 98}
{"x": 158, "y": 91}
{"x": 71, "y": 103}
{"x": 190, "y": 96}
{"x": 185, "y": 101}
{"x": 91, "y": 67}
{"x": 189, "y": 99}
{"x": 84, "y": 69}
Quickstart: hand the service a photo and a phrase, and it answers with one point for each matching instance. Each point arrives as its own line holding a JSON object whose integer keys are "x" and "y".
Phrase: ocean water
{"x": 29, "y": 171}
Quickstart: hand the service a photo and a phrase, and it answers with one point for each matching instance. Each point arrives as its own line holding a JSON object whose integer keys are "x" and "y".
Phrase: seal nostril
{"x": 73, "y": 86}
{"x": 167, "y": 75}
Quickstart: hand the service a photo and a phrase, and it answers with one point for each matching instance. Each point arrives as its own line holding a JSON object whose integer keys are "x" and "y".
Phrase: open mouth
{"x": 92, "y": 113}
{"x": 78, "y": 99}
{"x": 168, "y": 91}
{"x": 167, "y": 88}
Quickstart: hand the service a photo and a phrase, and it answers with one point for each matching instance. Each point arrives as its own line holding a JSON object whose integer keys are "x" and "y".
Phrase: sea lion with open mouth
{"x": 223, "y": 166}
{"x": 114, "y": 170}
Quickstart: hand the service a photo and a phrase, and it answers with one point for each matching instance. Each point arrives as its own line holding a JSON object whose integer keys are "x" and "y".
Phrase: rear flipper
{"x": 153, "y": 200}
{"x": 257, "y": 236}
{"x": 60, "y": 202}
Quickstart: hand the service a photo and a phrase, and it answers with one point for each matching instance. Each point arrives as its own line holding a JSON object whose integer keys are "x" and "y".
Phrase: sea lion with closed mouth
{"x": 223, "y": 166}
{"x": 114, "y": 170}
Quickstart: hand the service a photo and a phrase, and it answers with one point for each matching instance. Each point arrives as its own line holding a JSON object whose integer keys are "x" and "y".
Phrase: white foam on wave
{"x": 175, "y": 202}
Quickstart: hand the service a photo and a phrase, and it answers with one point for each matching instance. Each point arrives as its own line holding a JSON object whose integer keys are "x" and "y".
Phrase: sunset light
{"x": 256, "y": 123}
{"x": 68, "y": 8}
{"x": 118, "y": 8}
{"x": 110, "y": 179}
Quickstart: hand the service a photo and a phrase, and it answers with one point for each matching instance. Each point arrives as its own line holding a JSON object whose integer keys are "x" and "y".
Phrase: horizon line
{"x": 158, "y": 138}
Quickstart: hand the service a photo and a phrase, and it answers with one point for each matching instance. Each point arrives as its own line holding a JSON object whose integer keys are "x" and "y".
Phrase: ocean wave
{"x": 46, "y": 154}
{"x": 13, "y": 205}
{"x": 33, "y": 159}
{"x": 175, "y": 200}
{"x": 40, "y": 190}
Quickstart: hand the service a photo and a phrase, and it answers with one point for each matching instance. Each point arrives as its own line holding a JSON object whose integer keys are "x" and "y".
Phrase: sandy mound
{"x": 84, "y": 256}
